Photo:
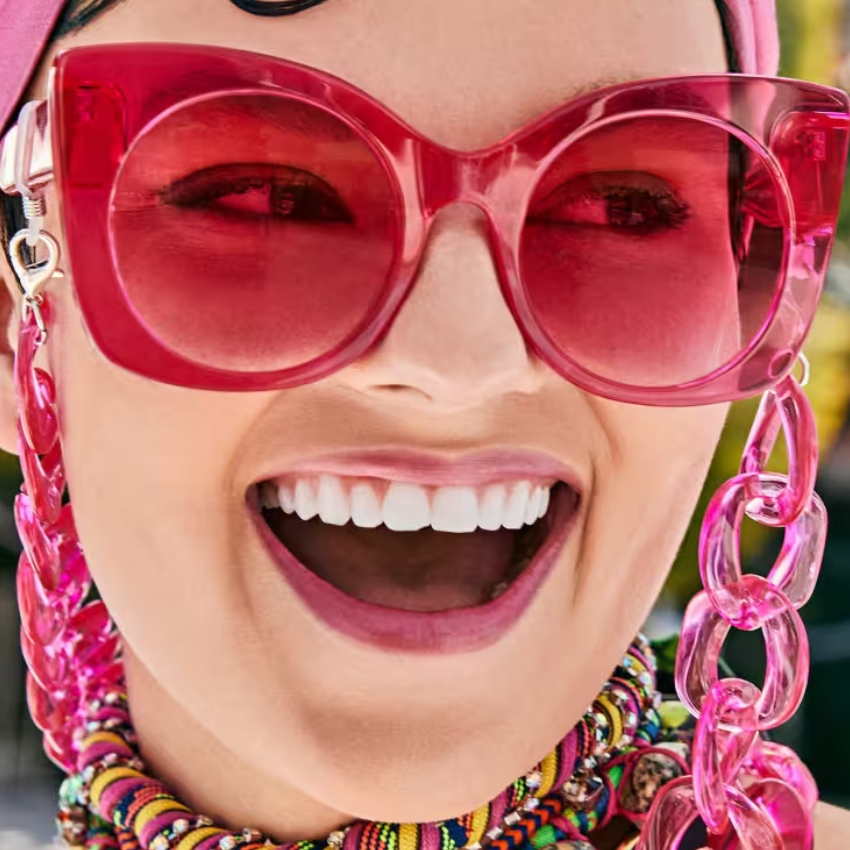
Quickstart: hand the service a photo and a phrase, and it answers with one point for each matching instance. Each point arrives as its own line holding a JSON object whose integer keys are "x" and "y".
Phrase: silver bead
{"x": 474, "y": 846}
{"x": 203, "y": 820}
{"x": 252, "y": 835}
{"x": 160, "y": 843}
{"x": 534, "y": 779}
{"x": 531, "y": 804}
{"x": 513, "y": 818}
{"x": 336, "y": 838}
{"x": 180, "y": 826}
{"x": 572, "y": 789}
{"x": 227, "y": 843}
{"x": 494, "y": 833}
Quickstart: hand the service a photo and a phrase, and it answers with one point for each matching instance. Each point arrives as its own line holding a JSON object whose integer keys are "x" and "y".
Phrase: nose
{"x": 454, "y": 343}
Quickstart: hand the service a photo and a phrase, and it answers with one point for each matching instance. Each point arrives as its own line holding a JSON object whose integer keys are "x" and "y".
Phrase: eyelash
{"x": 641, "y": 210}
{"x": 668, "y": 210}
{"x": 295, "y": 195}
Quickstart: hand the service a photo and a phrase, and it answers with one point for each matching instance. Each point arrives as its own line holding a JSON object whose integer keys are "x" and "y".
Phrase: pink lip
{"x": 440, "y": 632}
{"x": 470, "y": 470}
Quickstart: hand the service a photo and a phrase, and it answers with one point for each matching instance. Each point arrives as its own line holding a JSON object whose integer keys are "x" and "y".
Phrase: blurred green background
{"x": 816, "y": 46}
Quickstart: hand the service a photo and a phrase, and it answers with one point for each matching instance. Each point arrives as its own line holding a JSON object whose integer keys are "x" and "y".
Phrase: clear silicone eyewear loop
{"x": 805, "y": 370}
{"x": 795, "y": 571}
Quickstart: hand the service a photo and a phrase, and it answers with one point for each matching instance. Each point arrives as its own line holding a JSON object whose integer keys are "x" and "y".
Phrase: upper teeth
{"x": 401, "y": 506}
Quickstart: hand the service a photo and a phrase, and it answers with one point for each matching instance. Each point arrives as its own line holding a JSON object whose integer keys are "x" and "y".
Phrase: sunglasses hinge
{"x": 26, "y": 156}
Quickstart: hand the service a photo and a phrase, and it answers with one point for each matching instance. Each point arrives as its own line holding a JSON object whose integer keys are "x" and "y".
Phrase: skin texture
{"x": 251, "y": 709}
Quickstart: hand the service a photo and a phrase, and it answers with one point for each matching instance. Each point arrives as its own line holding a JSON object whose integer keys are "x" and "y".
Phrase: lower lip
{"x": 439, "y": 632}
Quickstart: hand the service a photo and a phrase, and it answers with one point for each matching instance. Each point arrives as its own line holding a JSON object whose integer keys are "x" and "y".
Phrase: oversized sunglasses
{"x": 240, "y": 222}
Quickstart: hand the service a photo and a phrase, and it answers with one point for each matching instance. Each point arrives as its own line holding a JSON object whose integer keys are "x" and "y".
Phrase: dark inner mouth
{"x": 423, "y": 570}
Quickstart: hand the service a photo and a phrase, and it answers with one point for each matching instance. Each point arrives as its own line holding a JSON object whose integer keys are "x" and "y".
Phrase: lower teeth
{"x": 498, "y": 590}
{"x": 517, "y": 569}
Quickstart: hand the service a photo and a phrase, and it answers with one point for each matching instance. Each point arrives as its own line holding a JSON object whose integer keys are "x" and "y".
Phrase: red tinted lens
{"x": 252, "y": 231}
{"x": 652, "y": 250}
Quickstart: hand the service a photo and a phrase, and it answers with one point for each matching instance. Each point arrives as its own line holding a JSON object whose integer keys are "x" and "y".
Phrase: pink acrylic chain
{"x": 750, "y": 793}
{"x": 70, "y": 646}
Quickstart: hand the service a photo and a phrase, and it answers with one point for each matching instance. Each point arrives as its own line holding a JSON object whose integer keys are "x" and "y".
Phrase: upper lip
{"x": 473, "y": 469}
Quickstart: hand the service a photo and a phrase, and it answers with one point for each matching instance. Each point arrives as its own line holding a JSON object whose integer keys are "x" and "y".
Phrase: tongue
{"x": 423, "y": 570}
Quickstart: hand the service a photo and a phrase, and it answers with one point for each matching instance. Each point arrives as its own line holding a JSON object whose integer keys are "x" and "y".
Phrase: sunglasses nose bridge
{"x": 451, "y": 177}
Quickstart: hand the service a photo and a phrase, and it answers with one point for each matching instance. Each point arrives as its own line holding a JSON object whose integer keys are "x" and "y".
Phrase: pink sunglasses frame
{"x": 800, "y": 130}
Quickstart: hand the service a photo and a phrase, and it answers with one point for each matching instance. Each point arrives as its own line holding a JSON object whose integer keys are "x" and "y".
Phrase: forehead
{"x": 464, "y": 72}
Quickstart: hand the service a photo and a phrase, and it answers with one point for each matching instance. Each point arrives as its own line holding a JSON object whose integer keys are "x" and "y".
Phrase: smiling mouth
{"x": 412, "y": 548}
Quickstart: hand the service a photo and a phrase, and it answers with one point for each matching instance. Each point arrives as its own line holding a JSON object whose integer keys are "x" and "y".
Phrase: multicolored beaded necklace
{"x": 610, "y": 765}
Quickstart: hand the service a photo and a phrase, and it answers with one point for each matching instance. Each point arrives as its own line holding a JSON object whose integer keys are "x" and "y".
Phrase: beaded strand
{"x": 110, "y": 804}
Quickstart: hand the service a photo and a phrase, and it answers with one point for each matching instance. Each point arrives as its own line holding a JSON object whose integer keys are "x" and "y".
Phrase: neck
{"x": 212, "y": 778}
{"x": 574, "y": 790}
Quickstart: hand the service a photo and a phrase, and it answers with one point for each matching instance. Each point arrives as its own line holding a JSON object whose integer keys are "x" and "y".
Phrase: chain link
{"x": 785, "y": 409}
{"x": 749, "y": 793}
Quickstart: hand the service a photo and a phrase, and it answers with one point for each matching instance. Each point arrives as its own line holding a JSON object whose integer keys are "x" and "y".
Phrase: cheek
{"x": 623, "y": 316}
{"x": 148, "y": 469}
{"x": 645, "y": 494}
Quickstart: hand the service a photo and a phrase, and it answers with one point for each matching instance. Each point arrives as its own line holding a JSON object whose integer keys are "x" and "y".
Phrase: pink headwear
{"x": 755, "y": 35}
{"x": 25, "y": 26}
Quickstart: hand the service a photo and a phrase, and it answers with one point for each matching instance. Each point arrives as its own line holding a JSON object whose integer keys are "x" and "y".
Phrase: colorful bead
{"x": 544, "y": 837}
{"x": 573, "y": 784}
{"x": 650, "y": 772}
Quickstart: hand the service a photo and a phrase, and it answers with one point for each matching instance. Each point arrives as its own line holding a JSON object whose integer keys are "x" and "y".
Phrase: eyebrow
{"x": 598, "y": 84}
{"x": 275, "y": 8}
{"x": 676, "y": 96}
{"x": 79, "y": 13}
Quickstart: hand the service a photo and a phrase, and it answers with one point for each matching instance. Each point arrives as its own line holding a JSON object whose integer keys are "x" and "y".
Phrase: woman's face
{"x": 249, "y": 701}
